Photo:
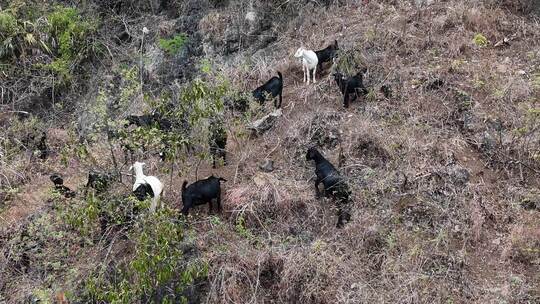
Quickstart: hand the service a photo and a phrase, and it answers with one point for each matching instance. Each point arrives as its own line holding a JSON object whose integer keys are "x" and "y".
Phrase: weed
{"x": 174, "y": 45}
{"x": 241, "y": 229}
{"x": 480, "y": 40}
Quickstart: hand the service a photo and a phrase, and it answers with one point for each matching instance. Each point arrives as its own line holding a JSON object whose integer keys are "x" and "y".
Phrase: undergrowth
{"x": 157, "y": 272}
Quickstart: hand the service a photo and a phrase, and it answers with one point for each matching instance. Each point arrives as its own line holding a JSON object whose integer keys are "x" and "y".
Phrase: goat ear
{"x": 130, "y": 168}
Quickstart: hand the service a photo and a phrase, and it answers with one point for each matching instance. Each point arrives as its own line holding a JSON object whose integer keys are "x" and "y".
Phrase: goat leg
{"x": 185, "y": 209}
{"x": 340, "y": 220}
{"x": 346, "y": 100}
{"x": 355, "y": 95}
{"x": 317, "y": 192}
{"x": 219, "y": 202}
{"x": 314, "y": 73}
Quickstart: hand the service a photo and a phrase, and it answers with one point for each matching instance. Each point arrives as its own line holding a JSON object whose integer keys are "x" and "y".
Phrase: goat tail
{"x": 280, "y": 75}
{"x": 222, "y": 179}
{"x": 184, "y": 184}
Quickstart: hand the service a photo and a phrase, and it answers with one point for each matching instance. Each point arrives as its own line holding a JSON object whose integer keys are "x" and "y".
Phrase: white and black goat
{"x": 145, "y": 186}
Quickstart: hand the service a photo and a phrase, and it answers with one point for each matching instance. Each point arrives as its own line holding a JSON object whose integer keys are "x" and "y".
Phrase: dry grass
{"x": 429, "y": 203}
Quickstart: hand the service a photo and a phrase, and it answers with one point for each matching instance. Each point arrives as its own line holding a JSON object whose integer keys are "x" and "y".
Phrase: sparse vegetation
{"x": 173, "y": 45}
{"x": 157, "y": 272}
{"x": 480, "y": 40}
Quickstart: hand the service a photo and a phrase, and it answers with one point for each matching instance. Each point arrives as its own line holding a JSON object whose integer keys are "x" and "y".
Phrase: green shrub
{"x": 157, "y": 272}
{"x": 8, "y": 24}
{"x": 63, "y": 36}
{"x": 14, "y": 38}
{"x": 480, "y": 40}
{"x": 70, "y": 33}
{"x": 174, "y": 45}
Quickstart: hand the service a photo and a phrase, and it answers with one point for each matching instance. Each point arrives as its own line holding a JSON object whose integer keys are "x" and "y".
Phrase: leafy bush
{"x": 158, "y": 272}
{"x": 70, "y": 33}
{"x": 174, "y": 45}
{"x": 16, "y": 35}
{"x": 63, "y": 36}
{"x": 8, "y": 24}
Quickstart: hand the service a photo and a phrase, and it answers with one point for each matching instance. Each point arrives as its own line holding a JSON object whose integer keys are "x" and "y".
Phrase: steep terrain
{"x": 443, "y": 170}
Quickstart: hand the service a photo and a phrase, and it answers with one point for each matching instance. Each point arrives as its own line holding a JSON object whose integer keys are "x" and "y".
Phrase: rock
{"x": 487, "y": 143}
{"x": 265, "y": 123}
{"x": 154, "y": 60}
{"x": 267, "y": 165}
{"x": 226, "y": 32}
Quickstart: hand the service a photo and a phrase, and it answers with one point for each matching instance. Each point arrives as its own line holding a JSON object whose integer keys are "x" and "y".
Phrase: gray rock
{"x": 263, "y": 124}
{"x": 267, "y": 165}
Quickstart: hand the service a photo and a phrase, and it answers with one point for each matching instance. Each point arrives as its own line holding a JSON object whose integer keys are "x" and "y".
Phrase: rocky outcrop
{"x": 236, "y": 28}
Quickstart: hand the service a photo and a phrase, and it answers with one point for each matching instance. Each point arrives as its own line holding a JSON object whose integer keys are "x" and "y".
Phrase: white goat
{"x": 309, "y": 62}
{"x": 145, "y": 181}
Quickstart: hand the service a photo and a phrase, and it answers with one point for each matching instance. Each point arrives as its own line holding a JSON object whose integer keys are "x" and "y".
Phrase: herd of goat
{"x": 209, "y": 189}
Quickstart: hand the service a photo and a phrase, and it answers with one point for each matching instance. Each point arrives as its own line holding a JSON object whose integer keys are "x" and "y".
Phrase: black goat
{"x": 42, "y": 146}
{"x": 334, "y": 184}
{"x": 326, "y": 55}
{"x": 201, "y": 192}
{"x": 99, "y": 181}
{"x": 58, "y": 182}
{"x": 145, "y": 120}
{"x": 218, "y": 142}
{"x": 272, "y": 88}
{"x": 164, "y": 124}
{"x": 352, "y": 85}
{"x": 149, "y": 120}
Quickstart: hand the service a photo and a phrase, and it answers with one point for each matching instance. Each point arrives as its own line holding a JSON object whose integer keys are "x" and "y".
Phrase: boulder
{"x": 263, "y": 124}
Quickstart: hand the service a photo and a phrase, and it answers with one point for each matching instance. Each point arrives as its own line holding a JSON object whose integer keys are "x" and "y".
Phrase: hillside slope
{"x": 443, "y": 170}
